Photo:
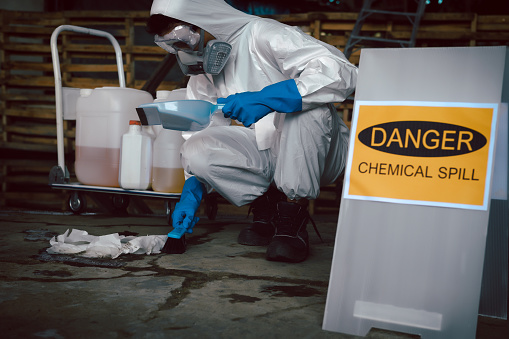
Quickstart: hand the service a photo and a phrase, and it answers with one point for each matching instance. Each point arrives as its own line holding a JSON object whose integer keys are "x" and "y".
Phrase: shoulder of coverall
{"x": 289, "y": 39}
{"x": 274, "y": 38}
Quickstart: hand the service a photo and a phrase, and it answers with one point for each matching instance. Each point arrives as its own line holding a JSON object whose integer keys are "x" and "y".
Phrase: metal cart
{"x": 112, "y": 198}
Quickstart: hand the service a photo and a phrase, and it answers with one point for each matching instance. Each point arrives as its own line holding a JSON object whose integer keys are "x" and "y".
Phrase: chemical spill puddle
{"x": 79, "y": 261}
{"x": 291, "y": 291}
{"x": 239, "y": 298}
{"x": 57, "y": 273}
{"x": 39, "y": 235}
{"x": 211, "y": 228}
{"x": 250, "y": 255}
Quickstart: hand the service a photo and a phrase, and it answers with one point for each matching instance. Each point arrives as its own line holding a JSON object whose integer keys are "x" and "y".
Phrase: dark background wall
{"x": 266, "y": 7}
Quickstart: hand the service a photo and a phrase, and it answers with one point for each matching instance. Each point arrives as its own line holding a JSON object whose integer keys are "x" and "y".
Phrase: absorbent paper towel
{"x": 111, "y": 245}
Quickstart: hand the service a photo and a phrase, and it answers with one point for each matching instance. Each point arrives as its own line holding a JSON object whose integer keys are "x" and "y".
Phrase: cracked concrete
{"x": 218, "y": 288}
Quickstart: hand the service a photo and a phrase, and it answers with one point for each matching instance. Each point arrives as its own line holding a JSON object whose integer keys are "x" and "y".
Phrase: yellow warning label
{"x": 421, "y": 152}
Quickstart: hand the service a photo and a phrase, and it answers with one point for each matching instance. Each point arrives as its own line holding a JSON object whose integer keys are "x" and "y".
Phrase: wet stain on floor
{"x": 79, "y": 261}
{"x": 176, "y": 328}
{"x": 250, "y": 255}
{"x": 57, "y": 273}
{"x": 192, "y": 281}
{"x": 291, "y": 291}
{"x": 239, "y": 298}
{"x": 39, "y": 235}
{"x": 253, "y": 255}
{"x": 205, "y": 238}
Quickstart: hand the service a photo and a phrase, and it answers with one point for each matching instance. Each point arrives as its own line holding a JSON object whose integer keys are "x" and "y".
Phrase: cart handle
{"x": 58, "y": 78}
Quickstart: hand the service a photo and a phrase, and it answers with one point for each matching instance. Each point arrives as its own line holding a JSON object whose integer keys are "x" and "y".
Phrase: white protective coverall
{"x": 299, "y": 151}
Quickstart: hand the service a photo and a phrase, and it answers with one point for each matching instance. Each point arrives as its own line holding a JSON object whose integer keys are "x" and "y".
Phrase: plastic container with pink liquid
{"x": 102, "y": 117}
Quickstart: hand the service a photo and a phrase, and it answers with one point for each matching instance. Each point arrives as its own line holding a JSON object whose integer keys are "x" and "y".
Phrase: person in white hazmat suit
{"x": 280, "y": 84}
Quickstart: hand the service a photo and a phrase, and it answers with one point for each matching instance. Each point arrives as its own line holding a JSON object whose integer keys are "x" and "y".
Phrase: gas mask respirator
{"x": 182, "y": 41}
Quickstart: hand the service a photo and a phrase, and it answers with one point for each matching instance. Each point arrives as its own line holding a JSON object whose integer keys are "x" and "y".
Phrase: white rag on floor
{"x": 110, "y": 245}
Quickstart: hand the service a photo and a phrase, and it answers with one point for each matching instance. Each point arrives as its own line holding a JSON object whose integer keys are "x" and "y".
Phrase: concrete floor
{"x": 217, "y": 289}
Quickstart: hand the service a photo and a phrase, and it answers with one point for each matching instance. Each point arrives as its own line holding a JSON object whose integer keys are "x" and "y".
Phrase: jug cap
{"x": 134, "y": 122}
{"x": 162, "y": 94}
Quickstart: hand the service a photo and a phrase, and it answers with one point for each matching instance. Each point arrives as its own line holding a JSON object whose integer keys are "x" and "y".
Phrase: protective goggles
{"x": 181, "y": 38}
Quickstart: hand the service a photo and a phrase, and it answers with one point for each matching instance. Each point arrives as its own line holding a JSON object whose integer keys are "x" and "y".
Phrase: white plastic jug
{"x": 102, "y": 117}
{"x": 167, "y": 172}
{"x": 135, "y": 158}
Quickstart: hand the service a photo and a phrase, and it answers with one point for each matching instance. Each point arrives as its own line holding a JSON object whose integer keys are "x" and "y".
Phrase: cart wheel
{"x": 211, "y": 206}
{"x": 120, "y": 203}
{"x": 77, "y": 203}
{"x": 169, "y": 209}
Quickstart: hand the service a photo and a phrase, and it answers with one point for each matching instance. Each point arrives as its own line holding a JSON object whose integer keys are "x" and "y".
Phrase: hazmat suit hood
{"x": 215, "y": 16}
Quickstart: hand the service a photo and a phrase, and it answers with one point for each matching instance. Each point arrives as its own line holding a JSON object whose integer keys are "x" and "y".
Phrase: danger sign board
{"x": 426, "y": 153}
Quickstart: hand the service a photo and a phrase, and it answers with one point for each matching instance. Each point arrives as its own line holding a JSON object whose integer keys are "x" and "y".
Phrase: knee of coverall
{"x": 305, "y": 144}
{"x": 194, "y": 157}
{"x": 227, "y": 160}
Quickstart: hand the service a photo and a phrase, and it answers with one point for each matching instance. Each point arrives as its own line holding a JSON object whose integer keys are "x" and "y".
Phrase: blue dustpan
{"x": 179, "y": 115}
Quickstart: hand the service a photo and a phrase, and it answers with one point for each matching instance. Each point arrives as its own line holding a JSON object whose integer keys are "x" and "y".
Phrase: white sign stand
{"x": 408, "y": 267}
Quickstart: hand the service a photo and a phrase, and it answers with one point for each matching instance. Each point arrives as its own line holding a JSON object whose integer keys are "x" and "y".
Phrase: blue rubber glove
{"x": 185, "y": 209}
{"x": 249, "y": 107}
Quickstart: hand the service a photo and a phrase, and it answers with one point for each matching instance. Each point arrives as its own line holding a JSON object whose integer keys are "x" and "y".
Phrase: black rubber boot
{"x": 291, "y": 241}
{"x": 262, "y": 229}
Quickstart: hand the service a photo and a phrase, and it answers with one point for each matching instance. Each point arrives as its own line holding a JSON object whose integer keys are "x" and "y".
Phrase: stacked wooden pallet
{"x": 27, "y": 108}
